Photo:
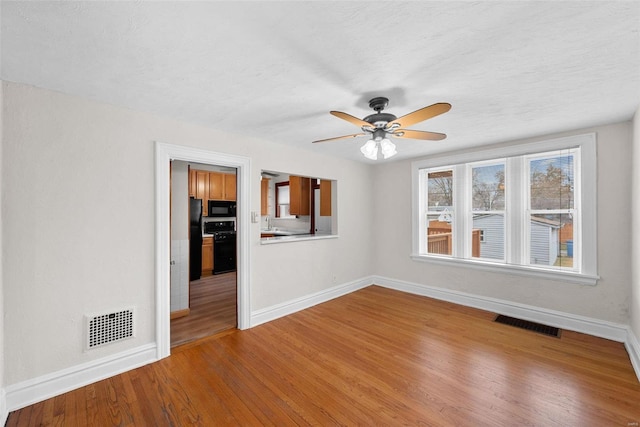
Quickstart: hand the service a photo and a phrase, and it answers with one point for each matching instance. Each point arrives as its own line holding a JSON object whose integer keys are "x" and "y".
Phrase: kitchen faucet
{"x": 268, "y": 222}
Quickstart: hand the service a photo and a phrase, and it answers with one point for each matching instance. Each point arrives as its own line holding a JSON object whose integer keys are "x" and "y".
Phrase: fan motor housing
{"x": 380, "y": 117}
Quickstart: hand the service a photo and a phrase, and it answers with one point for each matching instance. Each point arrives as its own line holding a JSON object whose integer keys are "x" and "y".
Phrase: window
{"x": 526, "y": 208}
{"x": 552, "y": 208}
{"x": 487, "y": 210}
{"x": 439, "y": 211}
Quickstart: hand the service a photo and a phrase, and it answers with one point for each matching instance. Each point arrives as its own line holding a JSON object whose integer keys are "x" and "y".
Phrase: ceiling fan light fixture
{"x": 388, "y": 148}
{"x": 381, "y": 125}
{"x": 370, "y": 149}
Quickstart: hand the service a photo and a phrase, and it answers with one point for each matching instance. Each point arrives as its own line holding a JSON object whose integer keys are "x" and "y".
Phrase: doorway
{"x": 165, "y": 153}
{"x": 203, "y": 251}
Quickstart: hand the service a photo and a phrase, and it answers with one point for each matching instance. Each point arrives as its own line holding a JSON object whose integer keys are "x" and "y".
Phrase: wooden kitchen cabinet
{"x": 192, "y": 183}
{"x": 325, "y": 197}
{"x": 207, "y": 186}
{"x": 222, "y": 186}
{"x": 207, "y": 256}
{"x": 202, "y": 189}
{"x": 230, "y": 187}
{"x": 264, "y": 196}
{"x": 299, "y": 195}
{"x": 216, "y": 186}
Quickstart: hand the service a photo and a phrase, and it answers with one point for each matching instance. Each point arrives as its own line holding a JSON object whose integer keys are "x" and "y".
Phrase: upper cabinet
{"x": 202, "y": 189}
{"x": 222, "y": 186}
{"x": 299, "y": 195}
{"x": 216, "y": 186}
{"x": 230, "y": 187}
{"x": 325, "y": 197}
{"x": 300, "y": 200}
{"x": 192, "y": 183}
{"x": 264, "y": 196}
{"x": 208, "y": 185}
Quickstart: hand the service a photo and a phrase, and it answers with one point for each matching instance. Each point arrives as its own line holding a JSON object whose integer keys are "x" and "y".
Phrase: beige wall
{"x": 609, "y": 300}
{"x": 635, "y": 211}
{"x": 79, "y": 223}
{"x": 2, "y": 207}
{"x": 78, "y": 228}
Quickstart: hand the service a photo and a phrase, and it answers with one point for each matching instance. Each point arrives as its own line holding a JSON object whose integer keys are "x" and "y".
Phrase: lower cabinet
{"x": 207, "y": 256}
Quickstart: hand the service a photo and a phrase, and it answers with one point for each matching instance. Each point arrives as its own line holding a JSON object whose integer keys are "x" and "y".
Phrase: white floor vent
{"x": 106, "y": 328}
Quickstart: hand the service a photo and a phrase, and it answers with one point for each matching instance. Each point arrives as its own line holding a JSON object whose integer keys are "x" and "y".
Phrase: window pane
{"x": 488, "y": 188}
{"x": 487, "y": 236}
{"x": 551, "y": 240}
{"x": 440, "y": 190}
{"x": 439, "y": 234}
{"x": 551, "y": 181}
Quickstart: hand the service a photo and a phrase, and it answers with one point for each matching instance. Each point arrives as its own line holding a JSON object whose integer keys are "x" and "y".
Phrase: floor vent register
{"x": 529, "y": 326}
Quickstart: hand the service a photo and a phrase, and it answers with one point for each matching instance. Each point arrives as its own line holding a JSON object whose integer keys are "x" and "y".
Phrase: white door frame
{"x": 165, "y": 153}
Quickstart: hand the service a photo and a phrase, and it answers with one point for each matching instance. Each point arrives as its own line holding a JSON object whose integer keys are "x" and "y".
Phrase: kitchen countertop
{"x": 292, "y": 237}
{"x": 283, "y": 232}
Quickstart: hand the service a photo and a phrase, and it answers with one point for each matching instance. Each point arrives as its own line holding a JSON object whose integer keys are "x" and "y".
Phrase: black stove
{"x": 224, "y": 245}
{"x": 219, "y": 227}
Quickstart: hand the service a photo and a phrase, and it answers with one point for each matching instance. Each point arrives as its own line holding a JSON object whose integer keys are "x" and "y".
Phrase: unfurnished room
{"x": 320, "y": 213}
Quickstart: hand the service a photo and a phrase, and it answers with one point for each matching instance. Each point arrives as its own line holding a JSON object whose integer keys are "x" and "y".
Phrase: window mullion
{"x": 461, "y": 207}
{"x": 516, "y": 195}
{"x": 420, "y": 241}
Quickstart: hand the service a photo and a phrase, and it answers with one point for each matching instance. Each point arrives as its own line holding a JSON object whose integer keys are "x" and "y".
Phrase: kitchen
{"x": 203, "y": 297}
{"x": 294, "y": 207}
{"x": 203, "y": 278}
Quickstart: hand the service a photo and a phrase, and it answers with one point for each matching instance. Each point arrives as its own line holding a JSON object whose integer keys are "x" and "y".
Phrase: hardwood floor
{"x": 213, "y": 309}
{"x": 373, "y": 357}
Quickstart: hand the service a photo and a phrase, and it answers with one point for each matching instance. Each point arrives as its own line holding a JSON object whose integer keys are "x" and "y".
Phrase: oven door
{"x": 224, "y": 252}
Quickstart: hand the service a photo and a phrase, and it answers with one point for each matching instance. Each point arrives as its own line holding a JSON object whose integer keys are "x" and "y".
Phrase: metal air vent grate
{"x": 530, "y": 326}
{"x": 106, "y": 328}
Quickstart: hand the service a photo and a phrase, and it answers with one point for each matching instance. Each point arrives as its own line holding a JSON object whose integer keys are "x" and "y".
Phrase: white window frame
{"x": 577, "y": 234}
{"x": 452, "y": 211}
{"x": 516, "y": 180}
{"x": 469, "y": 211}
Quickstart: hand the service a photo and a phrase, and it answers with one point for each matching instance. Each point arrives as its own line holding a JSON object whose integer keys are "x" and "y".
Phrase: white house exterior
{"x": 544, "y": 238}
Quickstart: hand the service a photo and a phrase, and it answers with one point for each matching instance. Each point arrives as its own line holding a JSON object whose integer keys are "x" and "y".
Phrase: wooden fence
{"x": 439, "y": 239}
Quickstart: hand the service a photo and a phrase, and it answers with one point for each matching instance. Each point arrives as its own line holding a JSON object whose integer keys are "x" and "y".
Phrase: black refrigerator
{"x": 195, "y": 238}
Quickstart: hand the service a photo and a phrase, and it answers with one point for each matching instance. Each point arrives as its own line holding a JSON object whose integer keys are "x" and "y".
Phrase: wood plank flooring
{"x": 213, "y": 305}
{"x": 373, "y": 357}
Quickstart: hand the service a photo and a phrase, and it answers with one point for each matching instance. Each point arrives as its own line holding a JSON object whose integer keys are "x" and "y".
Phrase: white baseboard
{"x": 38, "y": 389}
{"x": 633, "y": 348}
{"x": 279, "y": 310}
{"x": 599, "y": 328}
{"x": 4, "y": 413}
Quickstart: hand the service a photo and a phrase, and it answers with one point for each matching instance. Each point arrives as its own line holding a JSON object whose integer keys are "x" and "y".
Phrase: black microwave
{"x": 221, "y": 208}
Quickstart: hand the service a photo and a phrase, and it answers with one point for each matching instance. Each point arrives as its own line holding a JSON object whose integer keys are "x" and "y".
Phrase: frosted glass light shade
{"x": 370, "y": 150}
{"x": 388, "y": 148}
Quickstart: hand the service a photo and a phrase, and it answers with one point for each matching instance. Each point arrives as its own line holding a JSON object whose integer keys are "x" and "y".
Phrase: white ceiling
{"x": 274, "y": 70}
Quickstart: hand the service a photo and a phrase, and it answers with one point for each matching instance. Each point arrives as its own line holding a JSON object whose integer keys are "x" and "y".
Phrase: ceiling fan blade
{"x": 340, "y": 137}
{"x": 351, "y": 119}
{"x": 419, "y": 134}
{"x": 420, "y": 115}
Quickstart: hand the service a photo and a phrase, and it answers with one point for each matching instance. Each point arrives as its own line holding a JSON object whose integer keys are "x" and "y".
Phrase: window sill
{"x": 582, "y": 279}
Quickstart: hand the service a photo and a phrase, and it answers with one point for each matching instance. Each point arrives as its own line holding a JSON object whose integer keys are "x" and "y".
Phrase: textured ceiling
{"x": 274, "y": 70}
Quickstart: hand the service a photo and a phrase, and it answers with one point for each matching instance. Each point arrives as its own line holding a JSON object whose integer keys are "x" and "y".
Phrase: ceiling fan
{"x": 381, "y": 125}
